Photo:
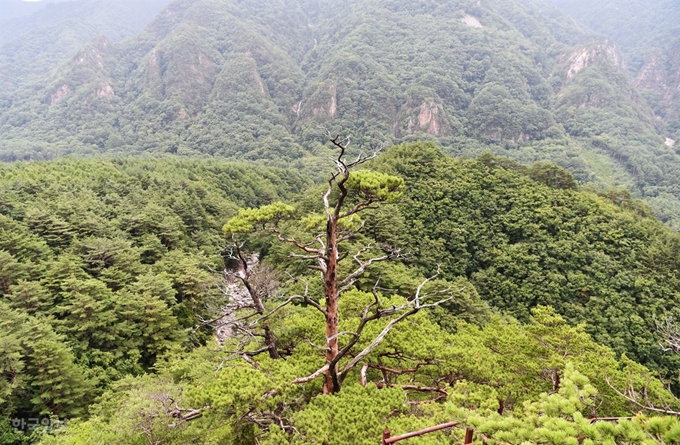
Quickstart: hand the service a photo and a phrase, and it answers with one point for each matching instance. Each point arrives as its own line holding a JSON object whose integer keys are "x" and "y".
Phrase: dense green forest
{"x": 254, "y": 80}
{"x": 188, "y": 254}
{"x": 112, "y": 288}
{"x": 106, "y": 265}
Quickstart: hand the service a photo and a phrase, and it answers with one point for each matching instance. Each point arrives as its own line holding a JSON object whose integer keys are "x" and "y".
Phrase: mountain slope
{"x": 649, "y": 36}
{"x": 257, "y": 80}
{"x": 525, "y": 237}
{"x": 35, "y": 38}
{"x": 639, "y": 27}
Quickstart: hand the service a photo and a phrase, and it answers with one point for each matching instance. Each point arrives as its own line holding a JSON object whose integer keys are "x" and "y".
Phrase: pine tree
{"x": 40, "y": 374}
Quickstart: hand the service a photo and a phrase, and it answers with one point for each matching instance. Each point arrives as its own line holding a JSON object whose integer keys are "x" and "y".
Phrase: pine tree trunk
{"x": 270, "y": 342}
{"x": 269, "y": 339}
{"x": 331, "y": 293}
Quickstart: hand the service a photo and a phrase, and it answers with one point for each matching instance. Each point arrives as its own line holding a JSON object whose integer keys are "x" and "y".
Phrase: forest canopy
{"x": 233, "y": 273}
{"x": 114, "y": 275}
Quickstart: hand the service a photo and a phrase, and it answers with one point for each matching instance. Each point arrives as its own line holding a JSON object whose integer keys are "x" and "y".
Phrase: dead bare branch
{"x": 632, "y": 396}
{"x": 362, "y": 373}
{"x": 312, "y": 376}
{"x": 351, "y": 233}
{"x": 352, "y": 277}
{"x": 184, "y": 415}
{"x": 368, "y": 349}
{"x": 670, "y": 334}
{"x": 423, "y": 283}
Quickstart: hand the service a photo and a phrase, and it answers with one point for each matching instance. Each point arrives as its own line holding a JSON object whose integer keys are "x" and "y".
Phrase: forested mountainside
{"x": 640, "y": 28}
{"x": 526, "y": 237}
{"x": 36, "y": 37}
{"x": 111, "y": 285}
{"x": 469, "y": 253}
{"x": 255, "y": 80}
{"x": 648, "y": 33}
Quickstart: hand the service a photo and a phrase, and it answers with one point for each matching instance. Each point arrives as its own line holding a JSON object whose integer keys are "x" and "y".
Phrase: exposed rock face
{"x": 325, "y": 104}
{"x": 471, "y": 21}
{"x": 154, "y": 77}
{"x": 661, "y": 76}
{"x": 88, "y": 77}
{"x": 593, "y": 55}
{"x": 105, "y": 91}
{"x": 237, "y": 297}
{"x": 674, "y": 62}
{"x": 62, "y": 93}
{"x": 661, "y": 73}
{"x": 296, "y": 108}
{"x": 333, "y": 104}
{"x": 189, "y": 76}
{"x": 430, "y": 119}
{"x": 93, "y": 55}
{"x": 521, "y": 137}
{"x": 652, "y": 76}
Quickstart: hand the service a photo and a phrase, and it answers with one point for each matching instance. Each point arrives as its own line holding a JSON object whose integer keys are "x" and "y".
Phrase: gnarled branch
{"x": 632, "y": 396}
{"x": 312, "y": 376}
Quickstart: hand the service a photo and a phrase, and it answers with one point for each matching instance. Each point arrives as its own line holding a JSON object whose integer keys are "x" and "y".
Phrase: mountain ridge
{"x": 256, "y": 81}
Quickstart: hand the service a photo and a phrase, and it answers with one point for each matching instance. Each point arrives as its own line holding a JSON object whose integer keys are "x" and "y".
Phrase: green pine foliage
{"x": 41, "y": 375}
{"x": 522, "y": 244}
{"x": 105, "y": 266}
{"x": 109, "y": 265}
{"x": 511, "y": 383}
